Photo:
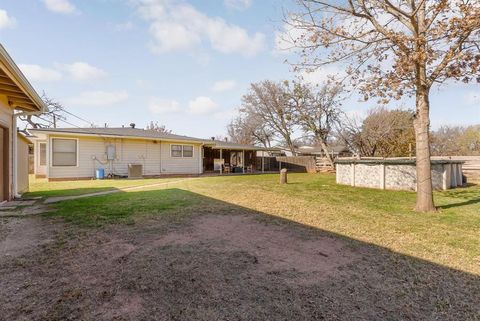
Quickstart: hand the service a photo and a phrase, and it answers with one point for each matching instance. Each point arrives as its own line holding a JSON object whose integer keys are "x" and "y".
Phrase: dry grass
{"x": 245, "y": 248}
{"x": 383, "y": 218}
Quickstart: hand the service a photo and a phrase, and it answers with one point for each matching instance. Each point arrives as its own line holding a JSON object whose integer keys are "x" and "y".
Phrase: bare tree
{"x": 55, "y": 112}
{"x": 249, "y": 129}
{"x": 393, "y": 48}
{"x": 456, "y": 141}
{"x": 154, "y": 126}
{"x": 270, "y": 103}
{"x": 317, "y": 111}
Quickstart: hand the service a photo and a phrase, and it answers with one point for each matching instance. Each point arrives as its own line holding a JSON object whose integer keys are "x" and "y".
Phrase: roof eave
{"x": 22, "y": 82}
{"x": 62, "y": 133}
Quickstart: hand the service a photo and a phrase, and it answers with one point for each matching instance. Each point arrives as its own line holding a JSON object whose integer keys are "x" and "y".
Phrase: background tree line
{"x": 274, "y": 113}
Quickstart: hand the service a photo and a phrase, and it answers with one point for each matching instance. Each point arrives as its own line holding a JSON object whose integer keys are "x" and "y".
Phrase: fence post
{"x": 283, "y": 176}
{"x": 352, "y": 174}
{"x": 382, "y": 176}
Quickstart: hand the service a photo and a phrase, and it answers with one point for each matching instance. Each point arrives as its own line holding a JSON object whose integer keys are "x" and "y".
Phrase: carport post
{"x": 243, "y": 161}
{"x": 263, "y": 163}
{"x": 221, "y": 161}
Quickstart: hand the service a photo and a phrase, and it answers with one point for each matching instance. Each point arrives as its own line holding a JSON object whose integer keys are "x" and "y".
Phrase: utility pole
{"x": 54, "y": 121}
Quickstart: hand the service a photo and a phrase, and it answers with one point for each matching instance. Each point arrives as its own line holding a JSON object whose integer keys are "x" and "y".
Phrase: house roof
{"x": 15, "y": 86}
{"x": 122, "y": 132}
{"x": 138, "y": 133}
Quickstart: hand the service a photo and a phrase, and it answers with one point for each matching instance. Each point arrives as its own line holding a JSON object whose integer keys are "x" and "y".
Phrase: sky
{"x": 183, "y": 64}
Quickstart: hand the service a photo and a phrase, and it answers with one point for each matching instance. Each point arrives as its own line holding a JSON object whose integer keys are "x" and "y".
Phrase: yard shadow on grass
{"x": 191, "y": 257}
{"x": 460, "y": 204}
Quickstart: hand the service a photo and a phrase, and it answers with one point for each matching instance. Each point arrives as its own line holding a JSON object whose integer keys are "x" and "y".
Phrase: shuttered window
{"x": 43, "y": 154}
{"x": 64, "y": 152}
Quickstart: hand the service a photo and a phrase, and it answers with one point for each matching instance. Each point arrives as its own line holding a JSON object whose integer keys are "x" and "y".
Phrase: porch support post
{"x": 243, "y": 161}
{"x": 221, "y": 160}
{"x": 263, "y": 163}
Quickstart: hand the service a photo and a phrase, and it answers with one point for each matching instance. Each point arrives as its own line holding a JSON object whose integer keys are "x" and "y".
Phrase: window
{"x": 64, "y": 152}
{"x": 43, "y": 154}
{"x": 176, "y": 150}
{"x": 187, "y": 151}
{"x": 182, "y": 151}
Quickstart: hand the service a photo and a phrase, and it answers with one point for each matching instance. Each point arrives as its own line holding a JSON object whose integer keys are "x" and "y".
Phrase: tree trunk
{"x": 290, "y": 145}
{"x": 421, "y": 122}
{"x": 325, "y": 150}
{"x": 423, "y": 163}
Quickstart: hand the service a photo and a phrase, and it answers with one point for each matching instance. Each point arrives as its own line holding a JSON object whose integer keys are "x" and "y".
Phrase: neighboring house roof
{"x": 16, "y": 87}
{"x": 138, "y": 133}
{"x": 21, "y": 135}
{"x": 319, "y": 150}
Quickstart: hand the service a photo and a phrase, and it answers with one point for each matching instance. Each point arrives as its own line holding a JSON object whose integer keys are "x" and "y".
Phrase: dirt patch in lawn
{"x": 243, "y": 266}
{"x": 272, "y": 247}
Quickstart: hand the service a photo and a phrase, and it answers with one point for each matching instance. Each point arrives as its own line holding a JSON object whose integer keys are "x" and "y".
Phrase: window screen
{"x": 64, "y": 152}
{"x": 176, "y": 150}
{"x": 187, "y": 151}
{"x": 43, "y": 154}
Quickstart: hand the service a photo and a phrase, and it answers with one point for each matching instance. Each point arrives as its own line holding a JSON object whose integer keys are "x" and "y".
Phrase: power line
{"x": 78, "y": 117}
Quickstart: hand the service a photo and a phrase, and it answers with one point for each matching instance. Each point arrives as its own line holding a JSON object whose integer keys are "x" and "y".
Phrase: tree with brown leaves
{"x": 394, "y": 48}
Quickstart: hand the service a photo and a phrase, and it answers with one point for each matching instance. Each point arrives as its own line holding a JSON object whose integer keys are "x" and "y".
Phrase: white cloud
{"x": 39, "y": 73}
{"x": 224, "y": 85}
{"x": 6, "y": 21}
{"x": 98, "y": 98}
{"x": 163, "y": 106}
{"x": 176, "y": 26}
{"x": 201, "y": 105}
{"x": 75, "y": 71}
{"x": 60, "y": 6}
{"x": 82, "y": 71}
{"x": 238, "y": 4}
{"x": 321, "y": 75}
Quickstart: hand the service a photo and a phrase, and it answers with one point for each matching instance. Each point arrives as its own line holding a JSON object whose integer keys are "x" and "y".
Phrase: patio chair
{"x": 227, "y": 168}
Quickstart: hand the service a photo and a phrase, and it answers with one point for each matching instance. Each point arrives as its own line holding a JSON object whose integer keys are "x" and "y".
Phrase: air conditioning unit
{"x": 135, "y": 171}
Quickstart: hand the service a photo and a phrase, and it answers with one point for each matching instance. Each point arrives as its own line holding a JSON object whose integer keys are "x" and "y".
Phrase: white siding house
{"x": 76, "y": 153}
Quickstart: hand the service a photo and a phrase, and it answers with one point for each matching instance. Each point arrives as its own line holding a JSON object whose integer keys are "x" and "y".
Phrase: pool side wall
{"x": 393, "y": 176}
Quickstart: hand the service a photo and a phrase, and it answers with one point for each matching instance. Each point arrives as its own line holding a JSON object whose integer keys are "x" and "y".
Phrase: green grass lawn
{"x": 40, "y": 187}
{"x": 450, "y": 237}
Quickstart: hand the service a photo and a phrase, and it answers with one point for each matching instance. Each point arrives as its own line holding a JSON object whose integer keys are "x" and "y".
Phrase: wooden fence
{"x": 471, "y": 168}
